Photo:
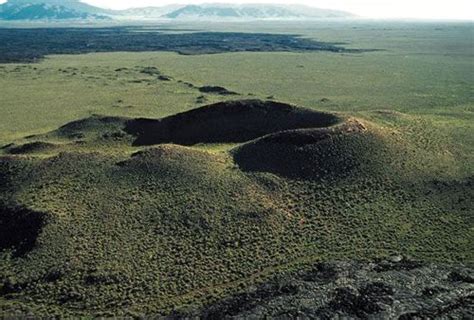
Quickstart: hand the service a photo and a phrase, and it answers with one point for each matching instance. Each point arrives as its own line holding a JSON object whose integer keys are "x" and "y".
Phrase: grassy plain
{"x": 426, "y": 69}
{"x": 142, "y": 231}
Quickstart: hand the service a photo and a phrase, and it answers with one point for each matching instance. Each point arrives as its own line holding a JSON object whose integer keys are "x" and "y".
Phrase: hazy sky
{"x": 424, "y": 9}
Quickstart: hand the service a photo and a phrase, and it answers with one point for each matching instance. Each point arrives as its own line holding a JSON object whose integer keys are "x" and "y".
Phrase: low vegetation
{"x": 126, "y": 191}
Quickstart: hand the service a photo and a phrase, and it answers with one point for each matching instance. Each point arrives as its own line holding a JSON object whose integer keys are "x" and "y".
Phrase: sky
{"x": 421, "y": 9}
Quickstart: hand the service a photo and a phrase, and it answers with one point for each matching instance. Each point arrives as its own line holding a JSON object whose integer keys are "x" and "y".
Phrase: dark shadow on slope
{"x": 227, "y": 122}
{"x": 19, "y": 229}
{"x": 243, "y": 302}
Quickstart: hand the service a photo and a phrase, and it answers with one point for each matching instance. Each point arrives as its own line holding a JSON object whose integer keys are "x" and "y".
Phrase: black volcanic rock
{"x": 351, "y": 290}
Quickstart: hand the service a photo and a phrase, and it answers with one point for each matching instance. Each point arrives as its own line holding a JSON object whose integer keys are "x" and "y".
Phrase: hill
{"x": 49, "y": 10}
{"x": 124, "y": 217}
{"x": 314, "y": 153}
{"x": 226, "y": 122}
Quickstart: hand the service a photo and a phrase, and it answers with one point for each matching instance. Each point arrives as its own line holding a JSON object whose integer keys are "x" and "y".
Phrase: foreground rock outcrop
{"x": 398, "y": 288}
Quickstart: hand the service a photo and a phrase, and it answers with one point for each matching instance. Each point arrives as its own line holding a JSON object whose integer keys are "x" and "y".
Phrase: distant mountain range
{"x": 257, "y": 11}
{"x": 75, "y": 9}
{"x": 147, "y": 12}
{"x": 50, "y": 10}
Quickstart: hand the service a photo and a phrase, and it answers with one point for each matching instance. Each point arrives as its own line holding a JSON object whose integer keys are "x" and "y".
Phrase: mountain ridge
{"x": 254, "y": 11}
{"x": 50, "y": 10}
{"x": 75, "y": 9}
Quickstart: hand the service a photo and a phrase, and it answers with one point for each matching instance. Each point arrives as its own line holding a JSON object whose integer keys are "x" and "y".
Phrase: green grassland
{"x": 425, "y": 69}
{"x": 125, "y": 229}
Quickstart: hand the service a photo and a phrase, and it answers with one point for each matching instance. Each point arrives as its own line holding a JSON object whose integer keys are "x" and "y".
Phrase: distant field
{"x": 425, "y": 69}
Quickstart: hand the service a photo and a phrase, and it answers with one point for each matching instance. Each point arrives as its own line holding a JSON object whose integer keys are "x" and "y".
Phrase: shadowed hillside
{"x": 314, "y": 153}
{"x": 237, "y": 121}
{"x": 19, "y": 229}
